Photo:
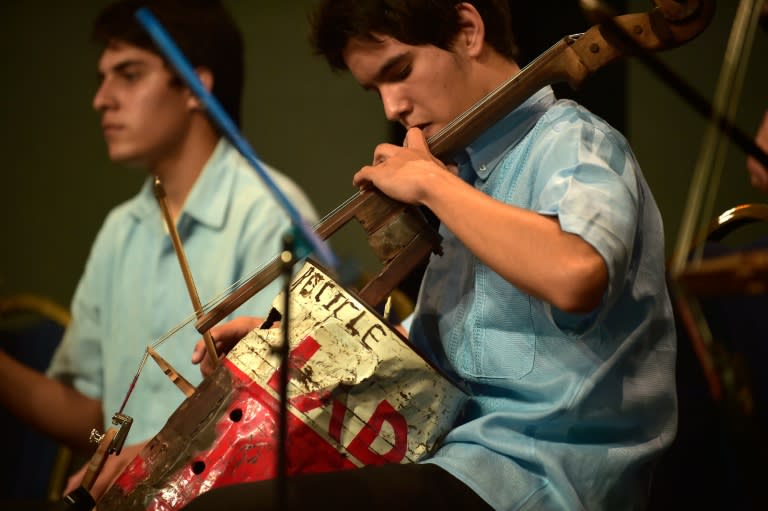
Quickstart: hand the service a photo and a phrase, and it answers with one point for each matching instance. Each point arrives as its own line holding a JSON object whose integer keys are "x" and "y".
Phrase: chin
{"x": 125, "y": 157}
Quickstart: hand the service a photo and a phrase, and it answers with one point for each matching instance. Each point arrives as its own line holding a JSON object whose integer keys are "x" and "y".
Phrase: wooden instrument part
{"x": 96, "y": 463}
{"x": 178, "y": 247}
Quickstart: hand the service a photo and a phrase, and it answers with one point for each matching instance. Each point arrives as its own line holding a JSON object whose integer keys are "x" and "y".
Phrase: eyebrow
{"x": 385, "y": 69}
{"x": 122, "y": 66}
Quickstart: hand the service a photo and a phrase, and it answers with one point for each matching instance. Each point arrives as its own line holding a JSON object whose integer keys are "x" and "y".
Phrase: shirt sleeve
{"x": 77, "y": 360}
{"x": 591, "y": 187}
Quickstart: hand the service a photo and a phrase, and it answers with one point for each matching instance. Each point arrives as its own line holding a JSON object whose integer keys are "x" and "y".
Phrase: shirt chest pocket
{"x": 500, "y": 341}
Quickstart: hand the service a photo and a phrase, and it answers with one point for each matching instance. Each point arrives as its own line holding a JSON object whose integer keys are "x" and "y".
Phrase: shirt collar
{"x": 208, "y": 199}
{"x": 486, "y": 151}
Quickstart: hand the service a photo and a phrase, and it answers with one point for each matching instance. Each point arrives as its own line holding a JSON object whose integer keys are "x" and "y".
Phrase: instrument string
{"x": 156, "y": 344}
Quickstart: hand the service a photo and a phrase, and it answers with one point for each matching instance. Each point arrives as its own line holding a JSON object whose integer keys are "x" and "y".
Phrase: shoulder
{"x": 120, "y": 220}
{"x": 570, "y": 136}
{"x": 295, "y": 194}
{"x": 111, "y": 238}
{"x": 567, "y": 117}
{"x": 252, "y": 191}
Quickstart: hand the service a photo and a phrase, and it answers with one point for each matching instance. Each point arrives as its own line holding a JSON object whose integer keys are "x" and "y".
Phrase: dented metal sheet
{"x": 357, "y": 395}
{"x": 350, "y": 354}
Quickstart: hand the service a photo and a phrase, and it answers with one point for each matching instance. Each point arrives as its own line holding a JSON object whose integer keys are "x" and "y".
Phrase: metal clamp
{"x": 123, "y": 422}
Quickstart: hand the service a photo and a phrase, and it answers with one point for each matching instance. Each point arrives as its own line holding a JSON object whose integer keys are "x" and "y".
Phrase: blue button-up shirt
{"x": 568, "y": 410}
{"x": 132, "y": 292}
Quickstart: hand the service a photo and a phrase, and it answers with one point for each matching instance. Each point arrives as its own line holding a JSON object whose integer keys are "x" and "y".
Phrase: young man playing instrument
{"x": 550, "y": 300}
{"x": 132, "y": 291}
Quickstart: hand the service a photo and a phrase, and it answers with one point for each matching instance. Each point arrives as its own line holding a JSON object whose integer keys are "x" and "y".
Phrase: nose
{"x": 396, "y": 104}
{"x": 103, "y": 98}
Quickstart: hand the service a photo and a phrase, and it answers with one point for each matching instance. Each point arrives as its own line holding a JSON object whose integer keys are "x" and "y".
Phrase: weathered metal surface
{"x": 357, "y": 395}
{"x": 193, "y": 428}
{"x": 353, "y": 359}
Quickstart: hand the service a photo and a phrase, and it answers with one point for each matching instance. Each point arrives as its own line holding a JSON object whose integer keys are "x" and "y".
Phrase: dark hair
{"x": 415, "y": 22}
{"x": 203, "y": 29}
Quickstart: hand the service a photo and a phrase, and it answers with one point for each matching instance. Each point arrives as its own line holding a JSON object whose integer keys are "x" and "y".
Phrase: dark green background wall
{"x": 318, "y": 127}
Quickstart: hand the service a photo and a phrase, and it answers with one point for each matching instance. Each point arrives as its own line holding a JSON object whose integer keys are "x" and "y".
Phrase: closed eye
{"x": 395, "y": 69}
{"x": 130, "y": 75}
{"x": 404, "y": 73}
{"x": 129, "y": 71}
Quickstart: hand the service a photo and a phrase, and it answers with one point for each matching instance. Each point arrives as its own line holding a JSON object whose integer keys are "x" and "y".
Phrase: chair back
{"x": 35, "y": 466}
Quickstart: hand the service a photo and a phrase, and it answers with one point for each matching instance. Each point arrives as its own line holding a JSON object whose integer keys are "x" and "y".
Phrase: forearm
{"x": 527, "y": 249}
{"x": 48, "y": 405}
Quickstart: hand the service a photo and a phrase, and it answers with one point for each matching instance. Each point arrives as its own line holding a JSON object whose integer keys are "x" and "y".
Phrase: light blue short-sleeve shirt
{"x": 567, "y": 411}
{"x": 132, "y": 292}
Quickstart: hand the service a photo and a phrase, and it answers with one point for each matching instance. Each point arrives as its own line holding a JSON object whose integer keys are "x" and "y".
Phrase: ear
{"x": 471, "y": 36}
{"x": 206, "y": 76}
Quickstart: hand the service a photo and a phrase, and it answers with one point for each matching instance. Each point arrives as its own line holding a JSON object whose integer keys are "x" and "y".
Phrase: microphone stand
{"x": 287, "y": 258}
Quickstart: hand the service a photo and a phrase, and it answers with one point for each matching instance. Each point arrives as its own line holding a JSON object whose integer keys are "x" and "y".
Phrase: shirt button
{"x": 482, "y": 168}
